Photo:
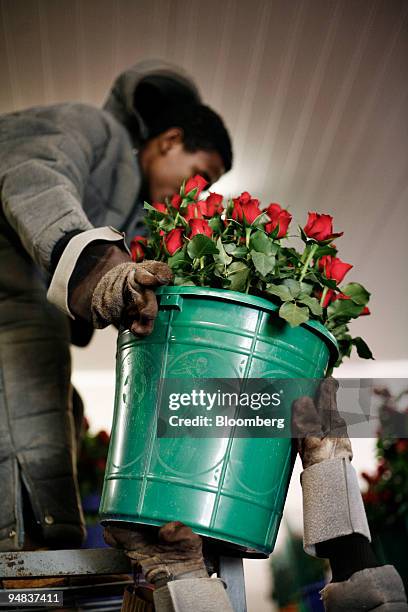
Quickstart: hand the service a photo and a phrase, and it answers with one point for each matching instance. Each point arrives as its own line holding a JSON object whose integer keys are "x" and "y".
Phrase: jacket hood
{"x": 146, "y": 89}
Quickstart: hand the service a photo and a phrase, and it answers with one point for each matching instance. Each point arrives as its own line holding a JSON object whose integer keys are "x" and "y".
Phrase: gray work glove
{"x": 126, "y": 293}
{"x": 332, "y": 502}
{"x": 107, "y": 287}
{"x": 321, "y": 431}
{"x": 375, "y": 588}
{"x": 164, "y": 554}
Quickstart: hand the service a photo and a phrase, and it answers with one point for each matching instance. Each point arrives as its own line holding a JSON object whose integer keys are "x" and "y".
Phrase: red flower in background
{"x": 334, "y": 268}
{"x": 199, "y": 226}
{"x": 197, "y": 182}
{"x": 174, "y": 240}
{"x": 245, "y": 207}
{"x": 176, "y": 200}
{"x": 365, "y": 311}
{"x": 137, "y": 247}
{"x": 212, "y": 205}
{"x": 320, "y": 227}
{"x": 103, "y": 437}
{"x": 278, "y": 216}
{"x": 193, "y": 211}
{"x": 159, "y": 206}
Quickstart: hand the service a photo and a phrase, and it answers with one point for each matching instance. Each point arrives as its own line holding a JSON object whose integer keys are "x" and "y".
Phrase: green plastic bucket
{"x": 230, "y": 489}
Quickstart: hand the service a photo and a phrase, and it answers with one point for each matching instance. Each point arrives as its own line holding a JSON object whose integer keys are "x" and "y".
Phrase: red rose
{"x": 334, "y": 268}
{"x": 245, "y": 207}
{"x": 136, "y": 248}
{"x": 160, "y": 207}
{"x": 176, "y": 200}
{"x": 193, "y": 211}
{"x": 199, "y": 226}
{"x": 365, "y": 311}
{"x": 212, "y": 205}
{"x": 278, "y": 216}
{"x": 174, "y": 240}
{"x": 320, "y": 227}
{"x": 197, "y": 182}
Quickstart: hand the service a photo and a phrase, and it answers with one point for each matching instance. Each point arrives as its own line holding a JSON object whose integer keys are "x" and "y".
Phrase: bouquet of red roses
{"x": 242, "y": 248}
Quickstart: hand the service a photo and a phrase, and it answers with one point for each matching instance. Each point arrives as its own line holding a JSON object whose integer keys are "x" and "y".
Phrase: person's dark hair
{"x": 203, "y": 129}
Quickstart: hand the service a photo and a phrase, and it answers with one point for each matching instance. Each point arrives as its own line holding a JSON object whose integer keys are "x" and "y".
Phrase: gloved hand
{"x": 118, "y": 290}
{"x": 126, "y": 293}
{"x": 168, "y": 553}
{"x": 96, "y": 280}
{"x": 332, "y": 502}
{"x": 320, "y": 430}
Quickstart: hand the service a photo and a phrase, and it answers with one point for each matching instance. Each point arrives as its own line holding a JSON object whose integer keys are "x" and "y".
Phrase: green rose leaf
{"x": 261, "y": 243}
{"x": 344, "y": 309}
{"x": 166, "y": 224}
{"x": 293, "y": 286}
{"x": 148, "y": 206}
{"x": 235, "y": 251}
{"x": 312, "y": 303}
{"x": 281, "y": 291}
{"x": 362, "y": 348}
{"x": 357, "y": 292}
{"x": 264, "y": 264}
{"x": 216, "y": 224}
{"x": 238, "y": 280}
{"x": 306, "y": 288}
{"x": 294, "y": 314}
{"x": 182, "y": 281}
{"x": 327, "y": 282}
{"x": 176, "y": 260}
{"x": 324, "y": 250}
{"x": 201, "y": 245}
{"x": 222, "y": 256}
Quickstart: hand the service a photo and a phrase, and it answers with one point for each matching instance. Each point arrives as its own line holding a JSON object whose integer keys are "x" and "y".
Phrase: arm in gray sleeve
{"x": 332, "y": 503}
{"x": 45, "y": 162}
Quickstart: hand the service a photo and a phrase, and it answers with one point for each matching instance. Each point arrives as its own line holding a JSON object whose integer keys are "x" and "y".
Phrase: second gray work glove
{"x": 166, "y": 553}
{"x": 332, "y": 502}
{"x": 321, "y": 431}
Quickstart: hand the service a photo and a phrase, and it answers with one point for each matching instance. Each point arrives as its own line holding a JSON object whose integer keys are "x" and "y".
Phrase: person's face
{"x": 166, "y": 164}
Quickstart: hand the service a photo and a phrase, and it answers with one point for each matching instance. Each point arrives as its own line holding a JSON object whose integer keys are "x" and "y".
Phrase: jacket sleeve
{"x": 45, "y": 162}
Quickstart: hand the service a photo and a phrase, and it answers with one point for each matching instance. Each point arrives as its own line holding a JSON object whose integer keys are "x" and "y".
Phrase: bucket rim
{"x": 255, "y": 301}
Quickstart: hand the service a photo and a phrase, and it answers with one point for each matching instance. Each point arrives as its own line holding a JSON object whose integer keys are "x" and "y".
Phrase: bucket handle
{"x": 170, "y": 301}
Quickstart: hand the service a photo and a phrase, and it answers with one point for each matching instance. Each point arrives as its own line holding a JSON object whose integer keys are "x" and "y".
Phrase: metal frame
{"x": 103, "y": 561}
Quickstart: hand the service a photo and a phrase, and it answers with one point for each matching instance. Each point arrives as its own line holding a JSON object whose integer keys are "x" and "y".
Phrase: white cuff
{"x": 332, "y": 503}
{"x": 58, "y": 290}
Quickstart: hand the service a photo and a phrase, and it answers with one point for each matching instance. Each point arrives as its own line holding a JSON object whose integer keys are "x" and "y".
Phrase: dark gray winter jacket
{"x": 73, "y": 167}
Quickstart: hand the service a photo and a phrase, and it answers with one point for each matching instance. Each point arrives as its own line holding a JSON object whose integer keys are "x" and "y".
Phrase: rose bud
{"x": 197, "y": 182}
{"x": 333, "y": 267}
{"x": 212, "y": 205}
{"x": 245, "y": 207}
{"x": 278, "y": 216}
{"x": 160, "y": 207}
{"x": 174, "y": 240}
{"x": 320, "y": 227}
{"x": 193, "y": 211}
{"x": 200, "y": 226}
{"x": 176, "y": 200}
{"x": 136, "y": 248}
